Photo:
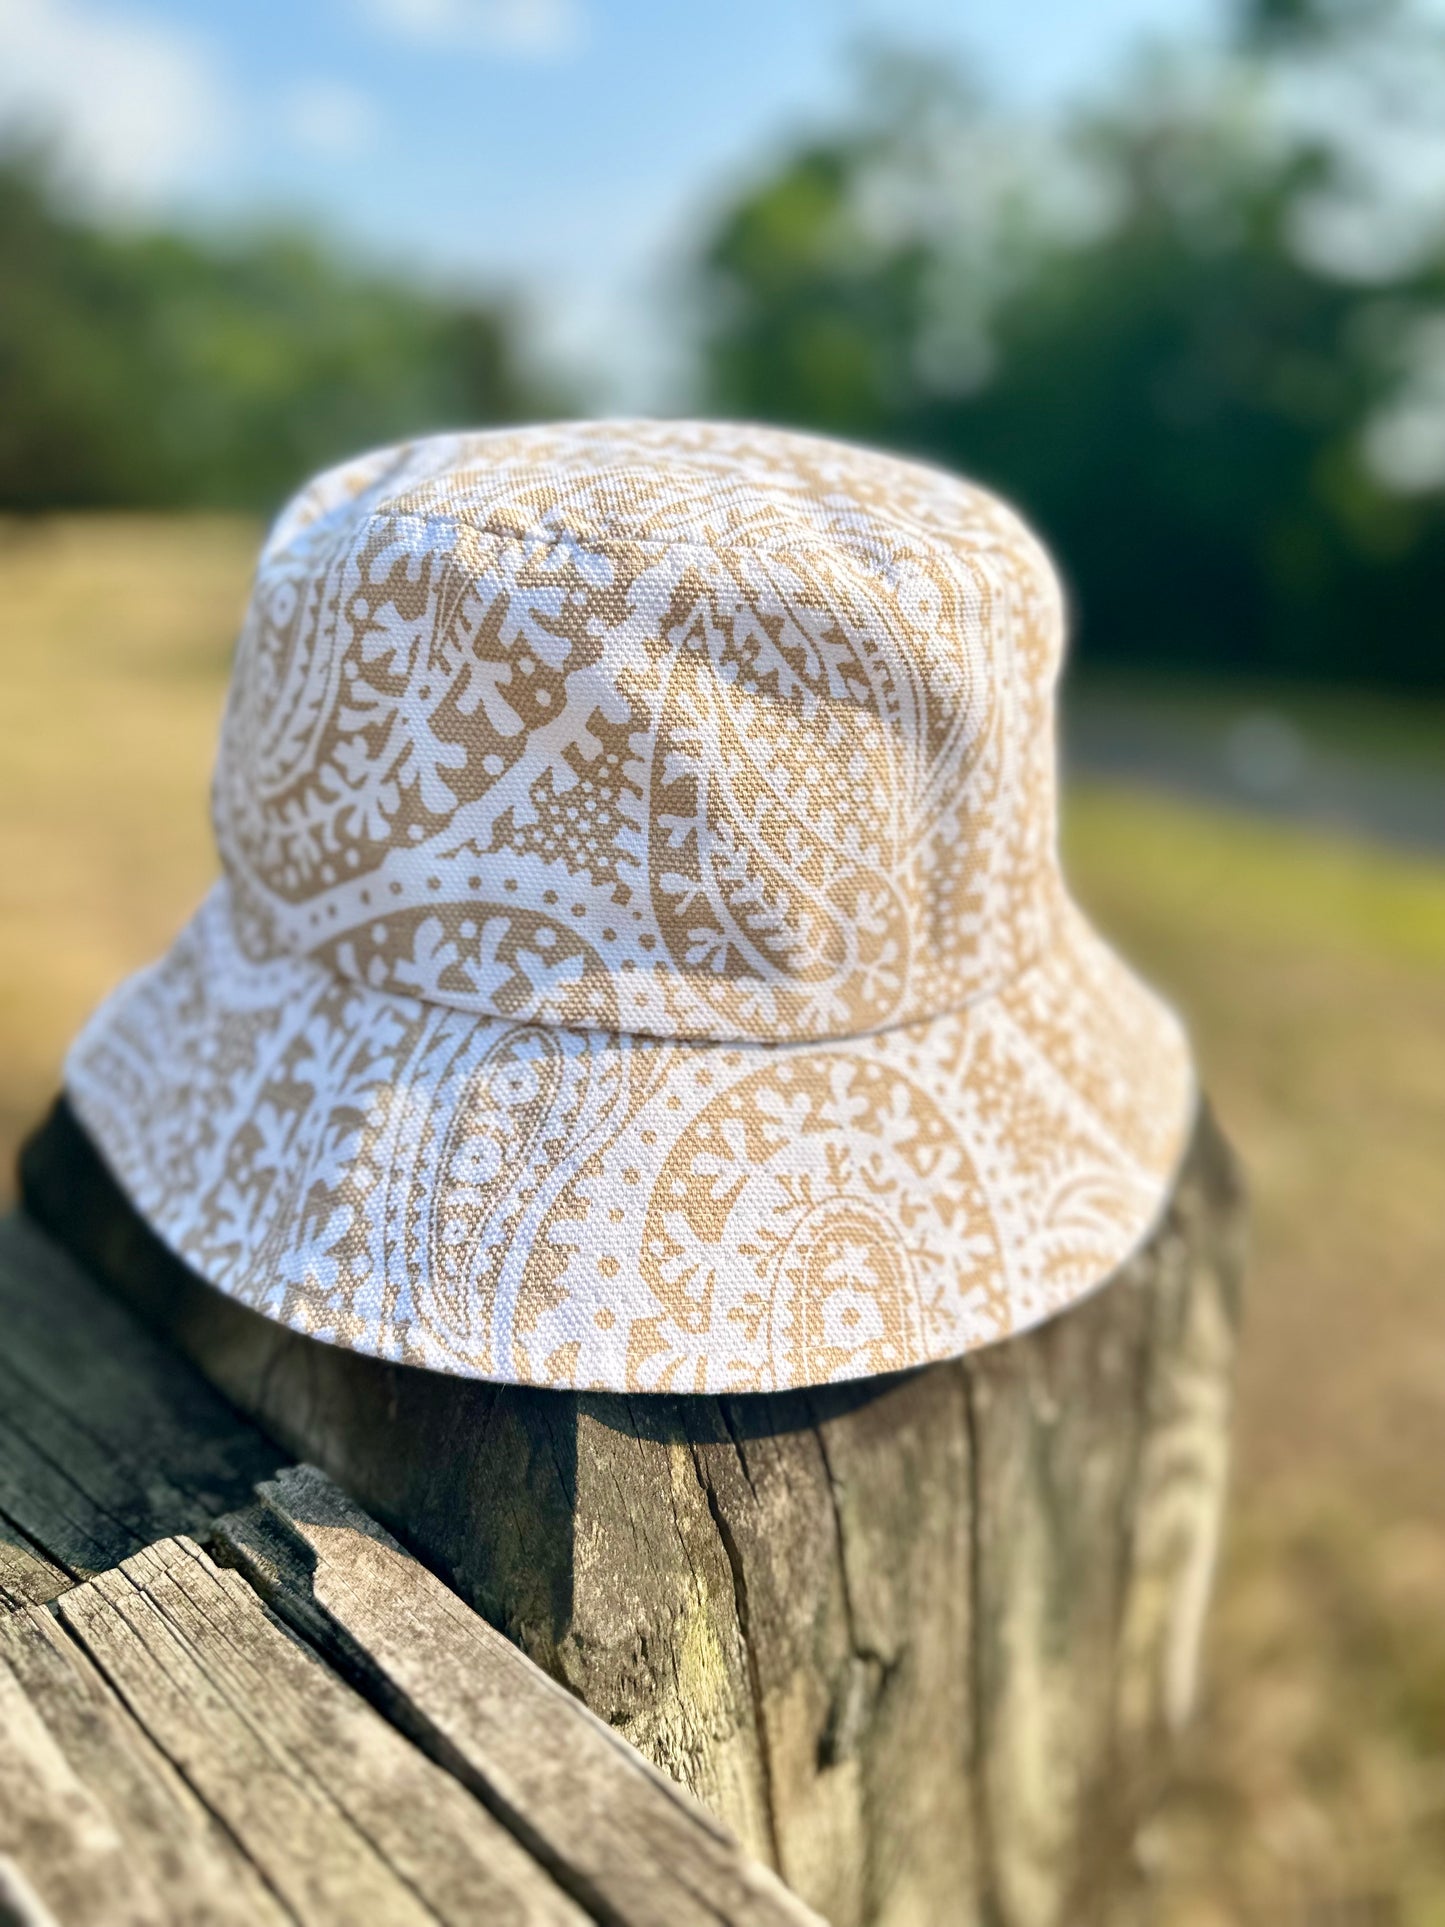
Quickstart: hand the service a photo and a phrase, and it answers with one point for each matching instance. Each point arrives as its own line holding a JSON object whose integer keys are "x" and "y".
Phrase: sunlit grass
{"x": 1225, "y": 878}
{"x": 1313, "y": 972}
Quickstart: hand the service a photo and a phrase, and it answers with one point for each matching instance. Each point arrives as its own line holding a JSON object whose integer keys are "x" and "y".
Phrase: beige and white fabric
{"x": 641, "y": 959}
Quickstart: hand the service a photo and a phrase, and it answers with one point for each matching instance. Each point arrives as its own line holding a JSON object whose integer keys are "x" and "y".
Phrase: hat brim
{"x": 581, "y": 1209}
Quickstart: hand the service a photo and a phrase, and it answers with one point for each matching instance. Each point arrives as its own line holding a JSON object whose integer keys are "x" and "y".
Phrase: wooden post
{"x": 922, "y": 1643}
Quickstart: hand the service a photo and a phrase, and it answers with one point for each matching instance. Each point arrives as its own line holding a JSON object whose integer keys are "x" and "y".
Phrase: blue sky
{"x": 557, "y": 146}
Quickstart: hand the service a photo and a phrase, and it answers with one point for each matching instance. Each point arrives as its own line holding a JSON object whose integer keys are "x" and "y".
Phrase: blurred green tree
{"x": 155, "y": 370}
{"x": 1134, "y": 328}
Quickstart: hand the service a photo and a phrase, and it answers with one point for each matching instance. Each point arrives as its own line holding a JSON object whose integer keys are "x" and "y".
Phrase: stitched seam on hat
{"x": 614, "y": 546}
{"x": 1056, "y": 916}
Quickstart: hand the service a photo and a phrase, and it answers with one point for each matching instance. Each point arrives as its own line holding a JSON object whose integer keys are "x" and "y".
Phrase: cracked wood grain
{"x": 626, "y": 1841}
{"x": 336, "y": 1818}
{"x": 27, "y": 1576}
{"x": 137, "y": 1842}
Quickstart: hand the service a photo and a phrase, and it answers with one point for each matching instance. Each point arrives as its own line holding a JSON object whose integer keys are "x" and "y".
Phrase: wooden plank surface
{"x": 628, "y": 1842}
{"x": 345, "y": 1819}
{"x": 108, "y": 1438}
{"x": 181, "y": 1756}
{"x": 126, "y": 1806}
{"x": 70, "y": 1855}
{"x": 173, "y": 1752}
{"x": 27, "y": 1577}
{"x": 170, "y": 1753}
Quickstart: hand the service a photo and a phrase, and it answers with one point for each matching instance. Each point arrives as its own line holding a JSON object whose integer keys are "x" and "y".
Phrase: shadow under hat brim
{"x": 583, "y": 1209}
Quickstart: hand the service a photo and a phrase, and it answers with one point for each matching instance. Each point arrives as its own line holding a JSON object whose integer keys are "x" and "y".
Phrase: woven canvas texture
{"x": 641, "y": 960}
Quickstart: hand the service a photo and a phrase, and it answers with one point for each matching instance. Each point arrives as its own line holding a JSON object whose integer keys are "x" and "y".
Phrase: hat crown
{"x": 686, "y": 729}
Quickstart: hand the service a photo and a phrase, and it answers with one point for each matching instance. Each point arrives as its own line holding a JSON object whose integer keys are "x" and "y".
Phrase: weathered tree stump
{"x": 922, "y": 1642}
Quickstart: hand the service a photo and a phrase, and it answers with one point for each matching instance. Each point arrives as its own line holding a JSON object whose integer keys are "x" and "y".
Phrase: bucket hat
{"x": 641, "y": 959}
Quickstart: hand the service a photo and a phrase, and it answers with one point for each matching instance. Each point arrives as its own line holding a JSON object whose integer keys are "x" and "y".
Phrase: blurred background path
{"x": 1345, "y": 765}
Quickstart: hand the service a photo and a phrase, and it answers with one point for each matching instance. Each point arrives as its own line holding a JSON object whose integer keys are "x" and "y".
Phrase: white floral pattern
{"x": 642, "y": 960}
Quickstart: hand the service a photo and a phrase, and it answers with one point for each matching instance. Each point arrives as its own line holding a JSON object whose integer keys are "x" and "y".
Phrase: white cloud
{"x": 330, "y": 118}
{"x": 135, "y": 107}
{"x": 530, "y": 29}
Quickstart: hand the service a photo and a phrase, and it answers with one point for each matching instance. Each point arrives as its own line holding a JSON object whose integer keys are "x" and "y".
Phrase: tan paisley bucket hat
{"x": 641, "y": 959}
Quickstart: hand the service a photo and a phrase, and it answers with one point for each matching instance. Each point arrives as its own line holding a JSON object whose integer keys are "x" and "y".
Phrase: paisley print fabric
{"x": 641, "y": 960}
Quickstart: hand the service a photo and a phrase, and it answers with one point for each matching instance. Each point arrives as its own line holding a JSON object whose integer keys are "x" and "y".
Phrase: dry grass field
{"x": 115, "y": 635}
{"x": 1314, "y": 975}
{"x": 1312, "y": 1790}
